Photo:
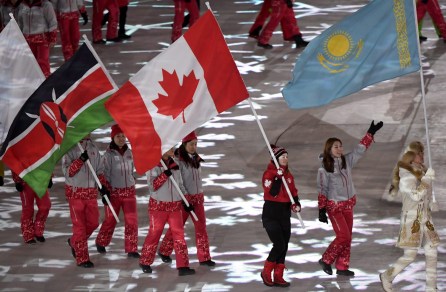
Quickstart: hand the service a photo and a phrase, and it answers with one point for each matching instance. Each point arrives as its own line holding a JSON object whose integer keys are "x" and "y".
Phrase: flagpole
{"x": 99, "y": 183}
{"x": 423, "y": 99}
{"x": 179, "y": 191}
{"x": 87, "y": 42}
{"x": 275, "y": 160}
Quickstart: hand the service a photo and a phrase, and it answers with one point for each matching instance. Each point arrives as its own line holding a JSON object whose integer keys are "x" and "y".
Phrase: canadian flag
{"x": 185, "y": 86}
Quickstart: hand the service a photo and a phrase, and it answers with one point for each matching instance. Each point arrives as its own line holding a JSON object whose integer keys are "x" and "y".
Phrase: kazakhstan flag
{"x": 376, "y": 43}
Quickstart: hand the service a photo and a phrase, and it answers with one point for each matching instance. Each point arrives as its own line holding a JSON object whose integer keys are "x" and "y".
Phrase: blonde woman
{"x": 414, "y": 182}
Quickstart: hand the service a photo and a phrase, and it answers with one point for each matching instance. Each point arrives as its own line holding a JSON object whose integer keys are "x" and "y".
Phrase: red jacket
{"x": 267, "y": 180}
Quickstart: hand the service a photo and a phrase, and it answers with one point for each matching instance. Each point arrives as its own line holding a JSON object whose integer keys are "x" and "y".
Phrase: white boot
{"x": 431, "y": 267}
{"x": 385, "y": 282}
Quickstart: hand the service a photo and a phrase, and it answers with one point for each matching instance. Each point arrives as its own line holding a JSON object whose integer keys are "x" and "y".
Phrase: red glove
{"x": 295, "y": 208}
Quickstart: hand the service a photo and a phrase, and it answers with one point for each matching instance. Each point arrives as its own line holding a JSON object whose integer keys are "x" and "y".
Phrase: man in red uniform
{"x": 112, "y": 27}
{"x": 180, "y": 7}
{"x": 433, "y": 8}
{"x": 32, "y": 228}
{"x": 278, "y": 11}
{"x": 67, "y": 12}
{"x": 81, "y": 191}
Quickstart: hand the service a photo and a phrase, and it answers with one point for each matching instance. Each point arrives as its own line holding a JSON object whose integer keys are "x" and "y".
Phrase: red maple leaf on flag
{"x": 179, "y": 96}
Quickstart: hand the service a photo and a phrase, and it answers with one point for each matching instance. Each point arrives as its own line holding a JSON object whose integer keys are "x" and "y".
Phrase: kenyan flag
{"x": 64, "y": 109}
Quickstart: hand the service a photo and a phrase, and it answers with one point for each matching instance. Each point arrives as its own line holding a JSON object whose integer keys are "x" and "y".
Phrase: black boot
{"x": 40, "y": 238}
{"x": 326, "y": 267}
{"x": 185, "y": 271}
{"x": 100, "y": 248}
{"x": 255, "y": 32}
{"x": 146, "y": 268}
{"x": 86, "y": 264}
{"x": 122, "y": 21}
{"x": 164, "y": 258}
{"x": 300, "y": 43}
{"x": 265, "y": 46}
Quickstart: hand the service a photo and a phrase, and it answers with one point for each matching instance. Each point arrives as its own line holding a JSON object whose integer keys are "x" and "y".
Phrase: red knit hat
{"x": 278, "y": 151}
{"x": 190, "y": 137}
{"x": 115, "y": 130}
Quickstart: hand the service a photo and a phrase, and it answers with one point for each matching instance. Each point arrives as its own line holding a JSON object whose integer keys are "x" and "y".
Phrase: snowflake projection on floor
{"x": 238, "y": 242}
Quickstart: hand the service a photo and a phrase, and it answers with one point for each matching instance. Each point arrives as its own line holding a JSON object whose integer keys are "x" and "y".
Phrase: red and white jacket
{"x": 38, "y": 20}
{"x": 336, "y": 188}
{"x": 79, "y": 181}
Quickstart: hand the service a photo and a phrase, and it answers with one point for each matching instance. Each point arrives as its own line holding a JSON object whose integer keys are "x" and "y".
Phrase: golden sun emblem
{"x": 339, "y": 49}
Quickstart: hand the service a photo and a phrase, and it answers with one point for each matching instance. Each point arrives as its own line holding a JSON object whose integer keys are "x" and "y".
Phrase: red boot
{"x": 266, "y": 273}
{"x": 278, "y": 276}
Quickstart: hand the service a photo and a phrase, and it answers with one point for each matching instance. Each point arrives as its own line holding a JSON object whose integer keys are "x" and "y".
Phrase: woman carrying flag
{"x": 189, "y": 163}
{"x": 118, "y": 171}
{"x": 165, "y": 206}
{"x": 81, "y": 191}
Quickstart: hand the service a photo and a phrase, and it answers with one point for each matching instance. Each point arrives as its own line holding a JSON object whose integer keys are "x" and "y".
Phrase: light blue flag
{"x": 376, "y": 43}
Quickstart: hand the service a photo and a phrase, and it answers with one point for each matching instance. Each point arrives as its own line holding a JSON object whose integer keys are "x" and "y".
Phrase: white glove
{"x": 429, "y": 176}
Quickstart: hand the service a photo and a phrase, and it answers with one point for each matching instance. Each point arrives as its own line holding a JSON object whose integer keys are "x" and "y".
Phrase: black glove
{"x": 188, "y": 209}
{"x": 289, "y": 3}
{"x": 275, "y": 187}
{"x": 2, "y": 182}
{"x": 84, "y": 156}
{"x": 374, "y": 128}
{"x": 425, "y": 1}
{"x": 84, "y": 17}
{"x": 167, "y": 172}
{"x": 19, "y": 187}
{"x": 50, "y": 183}
{"x": 323, "y": 215}
{"x": 104, "y": 193}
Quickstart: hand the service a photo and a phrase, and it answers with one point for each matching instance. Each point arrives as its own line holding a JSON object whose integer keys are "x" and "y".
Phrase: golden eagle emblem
{"x": 339, "y": 49}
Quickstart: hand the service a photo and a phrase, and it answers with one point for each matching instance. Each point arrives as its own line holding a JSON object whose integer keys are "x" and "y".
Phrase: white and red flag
{"x": 185, "y": 86}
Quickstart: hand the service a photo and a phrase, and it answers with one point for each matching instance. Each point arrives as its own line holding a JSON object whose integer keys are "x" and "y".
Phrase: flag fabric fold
{"x": 67, "y": 106}
{"x": 20, "y": 75}
{"x": 376, "y": 43}
{"x": 185, "y": 86}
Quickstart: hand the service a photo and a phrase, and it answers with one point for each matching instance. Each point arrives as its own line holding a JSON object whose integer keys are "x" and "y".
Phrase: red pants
{"x": 339, "y": 249}
{"x": 98, "y": 13}
{"x": 41, "y": 50}
{"x": 263, "y": 15}
{"x": 85, "y": 218}
{"x": 280, "y": 12}
{"x": 157, "y": 221}
{"x": 128, "y": 206}
{"x": 33, "y": 227}
{"x": 69, "y": 33}
{"x": 433, "y": 8}
{"x": 180, "y": 7}
{"x": 201, "y": 235}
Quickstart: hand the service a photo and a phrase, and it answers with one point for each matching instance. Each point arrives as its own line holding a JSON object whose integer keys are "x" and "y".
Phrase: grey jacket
{"x": 191, "y": 178}
{"x": 119, "y": 169}
{"x": 338, "y": 186}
